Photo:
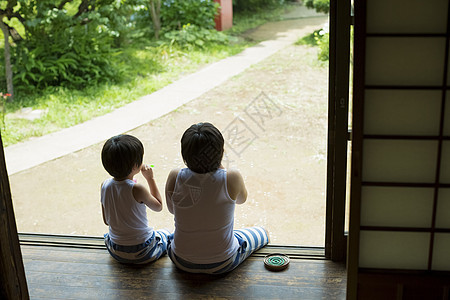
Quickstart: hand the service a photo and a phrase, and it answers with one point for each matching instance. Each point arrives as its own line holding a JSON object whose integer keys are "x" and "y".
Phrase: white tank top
{"x": 204, "y": 217}
{"x": 127, "y": 219}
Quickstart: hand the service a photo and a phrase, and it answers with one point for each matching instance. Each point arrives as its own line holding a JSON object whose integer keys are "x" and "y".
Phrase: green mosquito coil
{"x": 276, "y": 261}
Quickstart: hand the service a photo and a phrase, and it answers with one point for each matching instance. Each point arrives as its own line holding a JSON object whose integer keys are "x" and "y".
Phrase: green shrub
{"x": 318, "y": 38}
{"x": 323, "y": 42}
{"x": 254, "y": 5}
{"x": 191, "y": 36}
{"x": 309, "y": 39}
{"x": 318, "y": 5}
{"x": 176, "y": 13}
{"x": 66, "y": 47}
{"x": 129, "y": 21}
{"x": 73, "y": 57}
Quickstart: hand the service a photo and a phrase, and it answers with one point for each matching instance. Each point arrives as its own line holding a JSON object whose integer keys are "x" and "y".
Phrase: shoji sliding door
{"x": 400, "y": 200}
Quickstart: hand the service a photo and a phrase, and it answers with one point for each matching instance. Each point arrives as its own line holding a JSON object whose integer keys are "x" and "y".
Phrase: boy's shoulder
{"x": 107, "y": 182}
{"x": 233, "y": 173}
{"x": 112, "y": 182}
{"x": 234, "y": 176}
{"x": 175, "y": 172}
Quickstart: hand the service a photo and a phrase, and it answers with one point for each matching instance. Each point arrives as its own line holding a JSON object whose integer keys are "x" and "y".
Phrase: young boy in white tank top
{"x": 202, "y": 198}
{"x": 124, "y": 202}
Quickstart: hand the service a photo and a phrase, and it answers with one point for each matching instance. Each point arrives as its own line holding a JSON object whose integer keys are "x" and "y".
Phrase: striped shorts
{"x": 249, "y": 239}
{"x": 147, "y": 252}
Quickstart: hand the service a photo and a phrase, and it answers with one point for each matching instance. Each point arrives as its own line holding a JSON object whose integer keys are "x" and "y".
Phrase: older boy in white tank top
{"x": 202, "y": 198}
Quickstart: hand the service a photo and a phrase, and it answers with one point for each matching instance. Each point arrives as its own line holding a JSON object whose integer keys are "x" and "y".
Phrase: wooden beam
{"x": 359, "y": 50}
{"x": 13, "y": 284}
{"x": 338, "y": 90}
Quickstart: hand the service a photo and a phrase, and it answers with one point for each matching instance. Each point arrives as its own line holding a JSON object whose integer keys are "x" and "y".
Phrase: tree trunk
{"x": 8, "y": 68}
{"x": 155, "y": 8}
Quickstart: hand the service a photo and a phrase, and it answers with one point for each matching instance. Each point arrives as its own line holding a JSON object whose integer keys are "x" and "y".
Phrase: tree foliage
{"x": 319, "y": 5}
{"x": 65, "y": 44}
{"x": 74, "y": 43}
{"x": 62, "y": 49}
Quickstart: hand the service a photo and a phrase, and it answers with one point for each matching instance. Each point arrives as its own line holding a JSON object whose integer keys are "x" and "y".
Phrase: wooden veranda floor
{"x": 80, "y": 268}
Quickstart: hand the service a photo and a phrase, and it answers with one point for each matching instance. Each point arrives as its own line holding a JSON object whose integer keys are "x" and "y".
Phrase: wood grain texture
{"x": 71, "y": 273}
{"x": 12, "y": 277}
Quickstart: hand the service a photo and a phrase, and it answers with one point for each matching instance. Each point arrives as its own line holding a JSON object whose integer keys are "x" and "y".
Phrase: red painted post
{"x": 224, "y": 20}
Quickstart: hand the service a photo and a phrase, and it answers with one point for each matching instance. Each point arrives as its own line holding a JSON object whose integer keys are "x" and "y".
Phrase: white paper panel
{"x": 441, "y": 252}
{"x": 399, "y": 160}
{"x": 445, "y": 162}
{"x": 402, "y": 112}
{"x": 394, "y": 250}
{"x": 406, "y": 16}
{"x": 443, "y": 209}
{"x": 447, "y": 115}
{"x": 404, "y": 60}
{"x": 396, "y": 206}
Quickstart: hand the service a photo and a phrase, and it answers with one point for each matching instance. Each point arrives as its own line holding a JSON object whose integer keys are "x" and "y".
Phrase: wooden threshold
{"x": 95, "y": 242}
{"x": 68, "y": 267}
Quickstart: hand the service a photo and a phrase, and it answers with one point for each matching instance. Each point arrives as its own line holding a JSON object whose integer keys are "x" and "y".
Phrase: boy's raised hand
{"x": 147, "y": 171}
{"x": 153, "y": 199}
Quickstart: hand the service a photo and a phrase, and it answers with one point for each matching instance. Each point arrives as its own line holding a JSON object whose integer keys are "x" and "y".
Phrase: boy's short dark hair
{"x": 120, "y": 154}
{"x": 202, "y": 148}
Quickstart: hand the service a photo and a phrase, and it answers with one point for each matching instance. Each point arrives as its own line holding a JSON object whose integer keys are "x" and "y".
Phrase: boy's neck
{"x": 131, "y": 176}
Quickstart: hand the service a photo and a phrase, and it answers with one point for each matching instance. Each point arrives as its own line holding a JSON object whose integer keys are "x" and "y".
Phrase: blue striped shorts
{"x": 147, "y": 252}
{"x": 250, "y": 239}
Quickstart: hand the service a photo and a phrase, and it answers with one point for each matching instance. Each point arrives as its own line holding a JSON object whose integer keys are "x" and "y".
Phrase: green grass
{"x": 309, "y": 39}
{"x": 315, "y": 39}
{"x": 147, "y": 68}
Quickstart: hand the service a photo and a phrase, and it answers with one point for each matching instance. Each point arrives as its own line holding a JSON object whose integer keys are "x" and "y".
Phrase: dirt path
{"x": 280, "y": 105}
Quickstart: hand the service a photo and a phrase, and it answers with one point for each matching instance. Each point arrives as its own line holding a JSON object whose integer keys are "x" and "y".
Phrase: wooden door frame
{"x": 13, "y": 284}
{"x": 338, "y": 99}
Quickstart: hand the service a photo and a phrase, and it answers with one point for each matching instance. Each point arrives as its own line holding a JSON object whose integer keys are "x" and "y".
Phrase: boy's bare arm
{"x": 236, "y": 186}
{"x": 141, "y": 194}
{"x": 170, "y": 186}
{"x": 103, "y": 214}
{"x": 103, "y": 210}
